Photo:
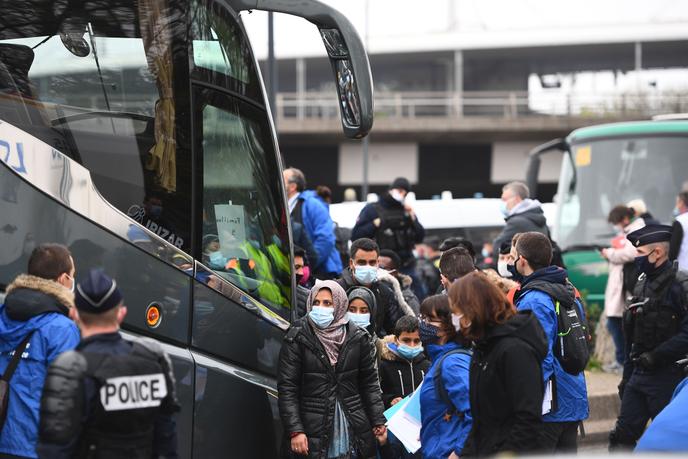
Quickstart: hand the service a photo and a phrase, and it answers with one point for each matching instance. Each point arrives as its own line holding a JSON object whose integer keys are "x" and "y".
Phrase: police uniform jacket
{"x": 675, "y": 297}
{"x": 78, "y": 402}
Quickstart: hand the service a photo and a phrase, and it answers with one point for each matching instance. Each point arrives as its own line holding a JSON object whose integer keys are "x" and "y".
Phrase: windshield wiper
{"x": 89, "y": 28}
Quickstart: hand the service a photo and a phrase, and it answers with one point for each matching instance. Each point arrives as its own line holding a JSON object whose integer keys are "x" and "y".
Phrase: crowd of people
{"x": 498, "y": 342}
{"x": 496, "y": 351}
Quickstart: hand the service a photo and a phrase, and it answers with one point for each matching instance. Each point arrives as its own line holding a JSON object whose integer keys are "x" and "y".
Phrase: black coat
{"x": 506, "y": 388}
{"x": 387, "y": 310}
{"x": 309, "y": 386}
{"x": 531, "y": 219}
{"x": 399, "y": 376}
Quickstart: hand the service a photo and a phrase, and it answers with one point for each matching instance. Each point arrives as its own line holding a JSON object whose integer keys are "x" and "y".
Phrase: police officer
{"x": 110, "y": 398}
{"x": 656, "y": 329}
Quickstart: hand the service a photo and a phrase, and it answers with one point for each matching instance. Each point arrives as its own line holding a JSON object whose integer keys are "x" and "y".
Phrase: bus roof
{"x": 634, "y": 128}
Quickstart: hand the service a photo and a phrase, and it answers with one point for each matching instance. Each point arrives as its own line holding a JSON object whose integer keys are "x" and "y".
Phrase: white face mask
{"x": 396, "y": 194}
{"x": 456, "y": 321}
{"x": 502, "y": 269}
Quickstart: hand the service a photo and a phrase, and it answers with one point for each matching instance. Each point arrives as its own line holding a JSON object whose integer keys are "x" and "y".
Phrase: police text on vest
{"x": 132, "y": 392}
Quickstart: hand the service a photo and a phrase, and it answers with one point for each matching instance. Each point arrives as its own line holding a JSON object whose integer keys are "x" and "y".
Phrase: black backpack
{"x": 439, "y": 384}
{"x": 571, "y": 346}
{"x": 396, "y": 231}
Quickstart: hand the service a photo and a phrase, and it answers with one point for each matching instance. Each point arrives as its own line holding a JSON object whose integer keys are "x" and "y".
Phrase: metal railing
{"x": 505, "y": 104}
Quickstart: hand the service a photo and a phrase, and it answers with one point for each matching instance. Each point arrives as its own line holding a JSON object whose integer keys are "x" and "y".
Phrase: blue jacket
{"x": 571, "y": 392}
{"x": 318, "y": 224}
{"x": 40, "y": 305}
{"x": 669, "y": 430}
{"x": 439, "y": 437}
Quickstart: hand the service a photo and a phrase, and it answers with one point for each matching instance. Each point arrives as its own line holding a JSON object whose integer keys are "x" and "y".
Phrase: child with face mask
{"x": 403, "y": 364}
{"x": 329, "y": 394}
{"x": 362, "y": 307}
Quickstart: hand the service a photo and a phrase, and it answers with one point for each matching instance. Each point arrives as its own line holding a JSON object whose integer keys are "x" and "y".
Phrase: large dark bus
{"x": 137, "y": 133}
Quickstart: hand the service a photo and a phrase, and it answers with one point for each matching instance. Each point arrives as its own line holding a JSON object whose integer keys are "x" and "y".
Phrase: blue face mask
{"x": 365, "y": 275}
{"x": 321, "y": 316}
{"x": 409, "y": 352}
{"x": 504, "y": 209}
{"x": 362, "y": 320}
{"x": 217, "y": 260}
{"x": 675, "y": 212}
{"x": 429, "y": 334}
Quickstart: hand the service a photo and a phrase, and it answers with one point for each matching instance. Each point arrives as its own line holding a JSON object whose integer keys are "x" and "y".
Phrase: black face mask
{"x": 429, "y": 334}
{"x": 298, "y": 278}
{"x": 515, "y": 275}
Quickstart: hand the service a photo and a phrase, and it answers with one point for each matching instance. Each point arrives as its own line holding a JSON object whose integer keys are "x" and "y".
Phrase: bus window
{"x": 98, "y": 84}
{"x": 221, "y": 54}
{"x": 244, "y": 233}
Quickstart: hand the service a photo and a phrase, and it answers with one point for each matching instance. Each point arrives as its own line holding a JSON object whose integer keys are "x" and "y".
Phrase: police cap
{"x": 97, "y": 293}
{"x": 650, "y": 234}
{"x": 401, "y": 183}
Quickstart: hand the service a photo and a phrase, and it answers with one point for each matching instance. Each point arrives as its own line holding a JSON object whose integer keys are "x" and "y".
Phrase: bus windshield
{"x": 601, "y": 174}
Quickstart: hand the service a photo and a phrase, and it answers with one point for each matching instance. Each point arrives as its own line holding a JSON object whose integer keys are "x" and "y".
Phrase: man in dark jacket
{"x": 521, "y": 215}
{"x": 429, "y": 266}
{"x": 392, "y": 223}
{"x": 656, "y": 322}
{"x": 39, "y": 303}
{"x": 542, "y": 285}
{"x": 362, "y": 270}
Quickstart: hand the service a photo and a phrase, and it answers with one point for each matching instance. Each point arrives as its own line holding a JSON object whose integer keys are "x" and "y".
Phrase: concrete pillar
{"x": 458, "y": 82}
{"x": 300, "y": 86}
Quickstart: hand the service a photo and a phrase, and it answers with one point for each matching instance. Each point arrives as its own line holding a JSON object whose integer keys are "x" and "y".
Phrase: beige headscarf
{"x": 331, "y": 337}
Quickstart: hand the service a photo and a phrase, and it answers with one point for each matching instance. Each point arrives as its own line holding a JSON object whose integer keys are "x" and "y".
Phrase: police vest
{"x": 396, "y": 231}
{"x": 651, "y": 318}
{"x": 132, "y": 391}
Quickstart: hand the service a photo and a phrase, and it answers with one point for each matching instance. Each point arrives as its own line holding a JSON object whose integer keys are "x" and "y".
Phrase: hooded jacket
{"x": 309, "y": 387}
{"x": 318, "y": 224}
{"x": 439, "y": 437}
{"x": 388, "y": 309}
{"x": 38, "y": 305}
{"x": 506, "y": 388}
{"x": 570, "y": 390}
{"x": 526, "y": 216}
{"x": 399, "y": 376}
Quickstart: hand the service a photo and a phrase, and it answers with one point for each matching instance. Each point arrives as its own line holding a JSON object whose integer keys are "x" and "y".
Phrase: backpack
{"x": 571, "y": 346}
{"x": 439, "y": 384}
{"x": 396, "y": 231}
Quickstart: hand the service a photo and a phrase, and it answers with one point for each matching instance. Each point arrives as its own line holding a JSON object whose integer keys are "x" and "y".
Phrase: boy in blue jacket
{"x": 40, "y": 303}
{"x": 541, "y": 286}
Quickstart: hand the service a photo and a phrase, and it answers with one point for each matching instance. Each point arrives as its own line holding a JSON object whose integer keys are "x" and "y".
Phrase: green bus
{"x": 604, "y": 166}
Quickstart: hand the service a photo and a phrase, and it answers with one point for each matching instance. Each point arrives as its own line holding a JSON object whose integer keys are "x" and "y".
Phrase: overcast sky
{"x": 397, "y": 25}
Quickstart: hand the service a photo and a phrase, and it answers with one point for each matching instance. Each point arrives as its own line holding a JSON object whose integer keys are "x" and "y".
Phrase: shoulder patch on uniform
{"x": 133, "y": 392}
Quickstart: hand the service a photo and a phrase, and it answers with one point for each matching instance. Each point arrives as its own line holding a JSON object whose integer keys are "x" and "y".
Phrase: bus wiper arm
{"x": 89, "y": 28}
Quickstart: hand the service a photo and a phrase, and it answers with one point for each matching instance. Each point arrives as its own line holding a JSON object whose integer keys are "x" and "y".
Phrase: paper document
{"x": 404, "y": 422}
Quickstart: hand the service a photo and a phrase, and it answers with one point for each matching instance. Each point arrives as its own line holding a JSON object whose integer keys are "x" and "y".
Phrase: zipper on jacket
{"x": 413, "y": 378}
{"x": 401, "y": 381}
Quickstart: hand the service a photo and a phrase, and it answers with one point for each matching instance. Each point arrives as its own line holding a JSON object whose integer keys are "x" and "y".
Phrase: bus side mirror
{"x": 347, "y": 56}
{"x": 534, "y": 161}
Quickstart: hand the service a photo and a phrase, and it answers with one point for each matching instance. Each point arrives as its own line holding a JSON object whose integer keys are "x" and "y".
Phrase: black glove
{"x": 622, "y": 386}
{"x": 647, "y": 361}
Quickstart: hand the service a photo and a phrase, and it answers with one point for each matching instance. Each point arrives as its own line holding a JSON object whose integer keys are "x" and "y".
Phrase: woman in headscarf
{"x": 329, "y": 394}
